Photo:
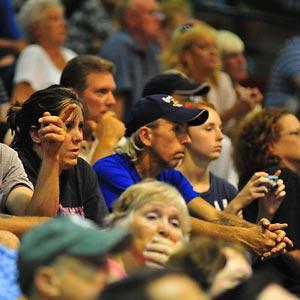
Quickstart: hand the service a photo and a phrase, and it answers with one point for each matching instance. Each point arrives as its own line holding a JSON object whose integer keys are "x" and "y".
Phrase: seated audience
{"x": 16, "y": 194}
{"x": 231, "y": 49}
{"x": 40, "y": 64}
{"x": 206, "y": 147}
{"x": 270, "y": 140}
{"x": 157, "y": 135}
{"x": 78, "y": 191}
{"x": 179, "y": 86}
{"x": 91, "y": 78}
{"x": 193, "y": 51}
{"x": 134, "y": 49}
{"x": 158, "y": 218}
{"x": 65, "y": 259}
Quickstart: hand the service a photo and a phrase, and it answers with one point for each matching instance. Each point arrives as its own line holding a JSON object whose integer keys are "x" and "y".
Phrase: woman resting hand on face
{"x": 157, "y": 215}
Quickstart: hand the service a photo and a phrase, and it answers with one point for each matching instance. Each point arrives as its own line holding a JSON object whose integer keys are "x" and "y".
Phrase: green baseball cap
{"x": 66, "y": 235}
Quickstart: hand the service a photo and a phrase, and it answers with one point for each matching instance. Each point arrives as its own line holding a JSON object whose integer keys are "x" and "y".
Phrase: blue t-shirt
{"x": 220, "y": 192}
{"x": 116, "y": 173}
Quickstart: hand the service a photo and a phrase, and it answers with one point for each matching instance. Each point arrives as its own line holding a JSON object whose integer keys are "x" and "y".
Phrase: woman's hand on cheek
{"x": 158, "y": 251}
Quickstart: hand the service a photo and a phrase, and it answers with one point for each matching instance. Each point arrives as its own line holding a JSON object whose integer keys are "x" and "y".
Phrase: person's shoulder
{"x": 69, "y": 53}
{"x": 6, "y": 148}
{"x": 119, "y": 38}
{"x": 221, "y": 181}
{"x": 172, "y": 174}
{"x": 110, "y": 160}
{"x": 33, "y": 49}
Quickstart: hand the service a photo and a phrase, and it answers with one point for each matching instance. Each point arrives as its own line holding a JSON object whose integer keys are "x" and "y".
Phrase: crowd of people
{"x": 134, "y": 161}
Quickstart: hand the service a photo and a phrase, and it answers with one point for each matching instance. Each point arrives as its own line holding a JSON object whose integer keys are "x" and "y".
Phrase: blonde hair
{"x": 183, "y": 38}
{"x": 228, "y": 43}
{"x": 145, "y": 192}
{"x": 133, "y": 145}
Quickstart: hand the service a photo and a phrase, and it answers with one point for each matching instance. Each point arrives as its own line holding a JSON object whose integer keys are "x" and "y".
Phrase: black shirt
{"x": 78, "y": 187}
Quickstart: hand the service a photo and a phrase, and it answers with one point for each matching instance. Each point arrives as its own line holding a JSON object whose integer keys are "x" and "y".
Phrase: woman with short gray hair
{"x": 158, "y": 217}
{"x": 40, "y": 64}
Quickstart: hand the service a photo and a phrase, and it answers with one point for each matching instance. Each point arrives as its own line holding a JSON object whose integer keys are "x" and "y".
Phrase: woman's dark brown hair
{"x": 21, "y": 118}
{"x": 252, "y": 143}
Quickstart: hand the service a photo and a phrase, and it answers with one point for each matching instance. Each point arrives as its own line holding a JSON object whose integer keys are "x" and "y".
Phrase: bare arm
{"x": 19, "y": 225}
{"x": 201, "y": 209}
{"x": 258, "y": 238}
{"x": 45, "y": 199}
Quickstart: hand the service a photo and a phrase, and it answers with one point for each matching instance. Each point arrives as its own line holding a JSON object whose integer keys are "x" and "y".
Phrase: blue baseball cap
{"x": 153, "y": 107}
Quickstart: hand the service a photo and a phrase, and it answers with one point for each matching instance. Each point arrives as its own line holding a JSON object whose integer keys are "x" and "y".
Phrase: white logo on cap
{"x": 170, "y": 100}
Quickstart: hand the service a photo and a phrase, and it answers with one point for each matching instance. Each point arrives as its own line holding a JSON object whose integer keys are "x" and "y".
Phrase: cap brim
{"x": 101, "y": 242}
{"x": 194, "y": 90}
{"x": 193, "y": 117}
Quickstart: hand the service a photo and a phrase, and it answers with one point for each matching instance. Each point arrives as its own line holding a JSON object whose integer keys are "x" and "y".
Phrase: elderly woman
{"x": 267, "y": 141}
{"x": 231, "y": 49}
{"x": 78, "y": 184}
{"x": 193, "y": 51}
{"x": 41, "y": 63}
{"x": 157, "y": 215}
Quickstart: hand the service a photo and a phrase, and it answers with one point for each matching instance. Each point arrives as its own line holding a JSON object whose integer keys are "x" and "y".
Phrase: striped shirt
{"x": 280, "y": 89}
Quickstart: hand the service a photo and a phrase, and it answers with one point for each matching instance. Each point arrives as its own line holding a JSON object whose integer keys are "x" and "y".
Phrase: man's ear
{"x": 145, "y": 135}
{"x": 34, "y": 134}
{"x": 47, "y": 283}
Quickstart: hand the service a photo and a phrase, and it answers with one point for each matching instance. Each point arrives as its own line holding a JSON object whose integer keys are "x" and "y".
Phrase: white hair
{"x": 228, "y": 43}
{"x": 32, "y": 12}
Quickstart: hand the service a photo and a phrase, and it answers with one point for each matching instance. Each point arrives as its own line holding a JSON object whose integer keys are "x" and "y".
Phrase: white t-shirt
{"x": 223, "y": 95}
{"x": 35, "y": 67}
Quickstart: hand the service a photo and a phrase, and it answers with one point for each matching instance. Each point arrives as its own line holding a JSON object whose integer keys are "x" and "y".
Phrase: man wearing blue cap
{"x": 156, "y": 132}
{"x": 65, "y": 258}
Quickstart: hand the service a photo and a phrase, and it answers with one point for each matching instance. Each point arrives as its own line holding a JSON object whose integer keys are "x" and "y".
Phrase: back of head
{"x": 77, "y": 69}
{"x": 153, "y": 284}
{"x": 228, "y": 43}
{"x": 202, "y": 259}
{"x": 252, "y": 143}
{"x": 23, "y": 118}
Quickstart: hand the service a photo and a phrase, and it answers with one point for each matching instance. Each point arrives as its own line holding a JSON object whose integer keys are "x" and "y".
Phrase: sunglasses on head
{"x": 185, "y": 27}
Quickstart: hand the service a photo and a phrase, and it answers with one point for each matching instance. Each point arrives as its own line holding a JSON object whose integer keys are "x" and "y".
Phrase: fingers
{"x": 67, "y": 112}
{"x": 156, "y": 257}
{"x": 278, "y": 248}
{"x": 288, "y": 241}
{"x": 277, "y": 226}
{"x": 277, "y": 173}
{"x": 280, "y": 235}
{"x": 264, "y": 222}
